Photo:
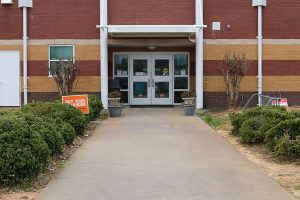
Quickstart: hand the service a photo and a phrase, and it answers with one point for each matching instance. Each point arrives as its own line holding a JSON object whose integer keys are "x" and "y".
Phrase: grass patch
{"x": 218, "y": 120}
{"x": 297, "y": 187}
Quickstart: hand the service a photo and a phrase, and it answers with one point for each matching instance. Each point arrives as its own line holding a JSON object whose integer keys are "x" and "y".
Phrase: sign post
{"x": 81, "y": 102}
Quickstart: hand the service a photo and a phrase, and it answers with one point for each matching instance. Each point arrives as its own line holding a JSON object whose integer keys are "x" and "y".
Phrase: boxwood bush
{"x": 250, "y": 130}
{"x": 273, "y": 126}
{"x": 23, "y": 152}
{"x": 289, "y": 128}
{"x": 29, "y": 137}
{"x": 269, "y": 113}
{"x": 95, "y": 107}
{"x": 56, "y": 110}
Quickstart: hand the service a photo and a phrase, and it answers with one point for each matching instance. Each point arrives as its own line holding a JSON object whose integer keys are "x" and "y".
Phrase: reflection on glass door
{"x": 140, "y": 80}
{"x": 151, "y": 80}
{"x": 162, "y": 80}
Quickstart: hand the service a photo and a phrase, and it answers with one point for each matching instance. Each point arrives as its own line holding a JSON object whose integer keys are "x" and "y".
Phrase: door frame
{"x": 19, "y": 76}
{"x": 154, "y": 79}
{"x": 146, "y": 78}
{"x": 133, "y": 53}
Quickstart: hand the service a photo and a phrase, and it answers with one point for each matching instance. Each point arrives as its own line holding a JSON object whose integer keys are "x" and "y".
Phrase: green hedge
{"x": 65, "y": 112}
{"x": 284, "y": 138}
{"x": 273, "y": 126}
{"x": 95, "y": 107}
{"x": 30, "y": 136}
{"x": 23, "y": 152}
{"x": 250, "y": 130}
{"x": 272, "y": 112}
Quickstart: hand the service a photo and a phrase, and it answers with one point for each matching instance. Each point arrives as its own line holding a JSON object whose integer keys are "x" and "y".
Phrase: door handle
{"x": 149, "y": 84}
{"x": 152, "y": 82}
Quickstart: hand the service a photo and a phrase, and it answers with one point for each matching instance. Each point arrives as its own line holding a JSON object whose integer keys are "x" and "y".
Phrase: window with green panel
{"x": 181, "y": 64}
{"x": 61, "y": 52}
{"x": 121, "y": 65}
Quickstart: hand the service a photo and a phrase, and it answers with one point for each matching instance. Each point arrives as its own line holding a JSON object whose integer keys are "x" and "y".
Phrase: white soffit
{"x": 158, "y": 42}
{"x": 152, "y": 30}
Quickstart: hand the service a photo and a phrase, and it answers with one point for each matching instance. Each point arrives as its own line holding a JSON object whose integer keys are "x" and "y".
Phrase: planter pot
{"x": 189, "y": 101}
{"x": 189, "y": 110}
{"x": 114, "y": 101}
{"x": 115, "y": 111}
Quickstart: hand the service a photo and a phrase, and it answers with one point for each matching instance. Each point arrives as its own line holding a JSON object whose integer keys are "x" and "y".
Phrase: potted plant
{"x": 189, "y": 98}
{"x": 114, "y": 105}
{"x": 114, "y": 98}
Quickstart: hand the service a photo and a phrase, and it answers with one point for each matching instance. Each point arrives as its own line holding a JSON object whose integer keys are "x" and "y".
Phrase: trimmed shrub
{"x": 270, "y": 113}
{"x": 23, "y": 152}
{"x": 236, "y": 120}
{"x": 66, "y": 130}
{"x": 48, "y": 128}
{"x": 250, "y": 130}
{"x": 65, "y": 112}
{"x": 290, "y": 127}
{"x": 287, "y": 148}
{"x": 52, "y": 137}
{"x": 95, "y": 107}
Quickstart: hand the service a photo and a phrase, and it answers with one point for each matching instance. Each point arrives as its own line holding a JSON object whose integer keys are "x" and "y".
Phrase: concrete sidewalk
{"x": 159, "y": 154}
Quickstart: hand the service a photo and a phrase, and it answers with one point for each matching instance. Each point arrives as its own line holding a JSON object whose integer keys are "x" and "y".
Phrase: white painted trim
{"x": 58, "y": 45}
{"x": 206, "y": 41}
{"x": 142, "y": 42}
{"x": 153, "y": 28}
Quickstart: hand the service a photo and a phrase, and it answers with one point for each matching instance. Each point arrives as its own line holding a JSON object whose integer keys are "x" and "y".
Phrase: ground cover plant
{"x": 29, "y": 137}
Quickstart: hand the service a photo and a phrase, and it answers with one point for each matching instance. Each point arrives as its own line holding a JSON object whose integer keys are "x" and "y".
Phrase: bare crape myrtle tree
{"x": 65, "y": 74}
{"x": 233, "y": 68}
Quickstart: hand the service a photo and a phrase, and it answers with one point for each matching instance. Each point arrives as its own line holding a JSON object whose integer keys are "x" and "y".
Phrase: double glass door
{"x": 151, "y": 80}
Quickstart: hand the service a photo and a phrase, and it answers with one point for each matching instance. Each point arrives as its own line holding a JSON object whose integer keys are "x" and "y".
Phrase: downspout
{"x": 25, "y": 46}
{"x": 259, "y": 4}
{"x": 24, "y": 4}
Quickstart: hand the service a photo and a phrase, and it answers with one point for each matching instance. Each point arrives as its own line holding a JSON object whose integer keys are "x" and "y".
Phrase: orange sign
{"x": 81, "y": 102}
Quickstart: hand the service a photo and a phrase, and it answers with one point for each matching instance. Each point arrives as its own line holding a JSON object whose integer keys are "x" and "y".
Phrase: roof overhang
{"x": 152, "y": 30}
{"x": 146, "y": 42}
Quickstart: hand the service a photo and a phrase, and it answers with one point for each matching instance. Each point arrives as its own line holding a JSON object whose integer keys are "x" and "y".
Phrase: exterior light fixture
{"x": 151, "y": 48}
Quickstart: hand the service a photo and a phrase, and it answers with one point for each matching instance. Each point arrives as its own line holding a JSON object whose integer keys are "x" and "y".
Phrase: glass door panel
{"x": 140, "y": 76}
{"x": 140, "y": 90}
{"x": 162, "y": 90}
{"x": 140, "y": 67}
{"x": 162, "y": 68}
{"x": 162, "y": 80}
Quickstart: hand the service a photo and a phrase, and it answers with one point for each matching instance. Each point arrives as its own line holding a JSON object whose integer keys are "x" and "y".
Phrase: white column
{"x": 199, "y": 55}
{"x": 25, "y": 38}
{"x": 104, "y": 53}
{"x": 260, "y": 54}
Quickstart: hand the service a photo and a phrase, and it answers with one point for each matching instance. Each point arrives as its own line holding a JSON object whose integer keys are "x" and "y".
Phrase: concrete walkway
{"x": 159, "y": 154}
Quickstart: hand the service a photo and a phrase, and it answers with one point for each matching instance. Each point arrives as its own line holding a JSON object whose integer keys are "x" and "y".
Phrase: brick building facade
{"x": 72, "y": 24}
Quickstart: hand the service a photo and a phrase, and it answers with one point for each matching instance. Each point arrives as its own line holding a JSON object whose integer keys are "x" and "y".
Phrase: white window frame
{"x": 181, "y": 76}
{"x": 59, "y": 45}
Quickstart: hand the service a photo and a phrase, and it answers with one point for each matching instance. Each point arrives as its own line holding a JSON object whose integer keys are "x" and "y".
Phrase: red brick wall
{"x": 280, "y": 19}
{"x": 55, "y": 19}
{"x": 76, "y": 19}
{"x": 10, "y": 22}
{"x": 151, "y": 12}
